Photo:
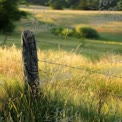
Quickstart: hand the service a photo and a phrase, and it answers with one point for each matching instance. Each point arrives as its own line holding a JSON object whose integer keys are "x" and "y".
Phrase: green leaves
{"x": 9, "y": 13}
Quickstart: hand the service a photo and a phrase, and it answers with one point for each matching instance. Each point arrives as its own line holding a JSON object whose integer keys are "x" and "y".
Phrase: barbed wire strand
{"x": 45, "y": 72}
{"x": 79, "y": 68}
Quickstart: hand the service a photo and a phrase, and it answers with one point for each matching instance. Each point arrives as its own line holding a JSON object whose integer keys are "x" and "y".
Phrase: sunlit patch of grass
{"x": 74, "y": 94}
{"x": 10, "y": 64}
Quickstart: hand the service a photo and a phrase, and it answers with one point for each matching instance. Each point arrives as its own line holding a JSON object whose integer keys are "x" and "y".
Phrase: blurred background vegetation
{"x": 78, "y": 4}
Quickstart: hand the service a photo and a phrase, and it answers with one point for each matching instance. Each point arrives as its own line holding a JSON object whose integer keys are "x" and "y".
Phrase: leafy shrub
{"x": 57, "y": 31}
{"x": 68, "y": 31}
{"x": 87, "y": 32}
{"x": 63, "y": 31}
{"x": 56, "y": 4}
{"x": 79, "y": 32}
{"x": 56, "y": 7}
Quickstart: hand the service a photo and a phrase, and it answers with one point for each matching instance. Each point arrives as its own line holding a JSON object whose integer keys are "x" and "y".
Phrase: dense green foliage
{"x": 80, "y": 4}
{"x": 87, "y": 32}
{"x": 57, "y": 4}
{"x": 9, "y": 13}
{"x": 119, "y": 5}
{"x": 78, "y": 32}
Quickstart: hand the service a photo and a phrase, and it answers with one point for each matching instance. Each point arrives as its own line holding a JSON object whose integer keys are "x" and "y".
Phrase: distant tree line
{"x": 80, "y": 4}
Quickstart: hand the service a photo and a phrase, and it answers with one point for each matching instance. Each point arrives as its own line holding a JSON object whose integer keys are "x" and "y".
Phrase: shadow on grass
{"x": 21, "y": 107}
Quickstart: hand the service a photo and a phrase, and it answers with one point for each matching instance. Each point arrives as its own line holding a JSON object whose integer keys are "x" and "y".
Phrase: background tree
{"x": 71, "y": 3}
{"x": 119, "y": 5}
{"x": 9, "y": 14}
{"x": 78, "y": 4}
{"x": 57, "y": 4}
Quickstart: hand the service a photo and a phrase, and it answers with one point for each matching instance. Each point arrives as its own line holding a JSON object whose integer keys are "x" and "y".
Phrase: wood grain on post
{"x": 30, "y": 61}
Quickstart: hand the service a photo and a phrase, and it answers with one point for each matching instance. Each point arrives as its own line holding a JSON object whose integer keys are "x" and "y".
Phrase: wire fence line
{"x": 108, "y": 74}
{"x": 73, "y": 67}
{"x": 43, "y": 42}
{"x": 56, "y": 44}
{"x": 48, "y": 42}
{"x": 59, "y": 45}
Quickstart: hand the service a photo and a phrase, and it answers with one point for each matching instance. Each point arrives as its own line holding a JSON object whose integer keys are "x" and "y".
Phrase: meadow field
{"x": 84, "y": 81}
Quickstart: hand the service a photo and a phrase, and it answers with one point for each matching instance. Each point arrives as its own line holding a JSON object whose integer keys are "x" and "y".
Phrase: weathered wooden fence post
{"x": 30, "y": 61}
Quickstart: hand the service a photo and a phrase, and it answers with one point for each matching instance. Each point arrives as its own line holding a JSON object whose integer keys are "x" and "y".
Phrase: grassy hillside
{"x": 89, "y": 90}
{"x": 41, "y": 20}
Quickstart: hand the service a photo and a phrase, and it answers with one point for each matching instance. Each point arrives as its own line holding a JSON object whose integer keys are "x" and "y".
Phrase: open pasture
{"x": 89, "y": 90}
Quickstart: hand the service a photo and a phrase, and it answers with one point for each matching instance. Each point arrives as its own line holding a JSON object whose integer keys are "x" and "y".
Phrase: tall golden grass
{"x": 84, "y": 90}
